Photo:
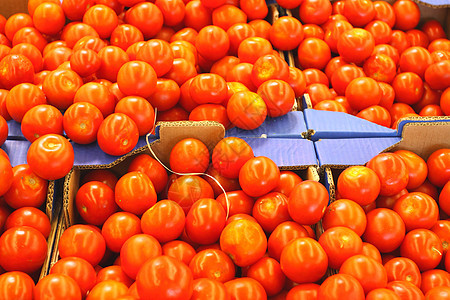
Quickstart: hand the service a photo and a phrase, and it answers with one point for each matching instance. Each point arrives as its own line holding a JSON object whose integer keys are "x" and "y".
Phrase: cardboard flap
{"x": 423, "y": 138}
{"x": 337, "y": 125}
{"x": 286, "y": 153}
{"x": 347, "y": 152}
{"x": 210, "y": 133}
{"x": 291, "y": 125}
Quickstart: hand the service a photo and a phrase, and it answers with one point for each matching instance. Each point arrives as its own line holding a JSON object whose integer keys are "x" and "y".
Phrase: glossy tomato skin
{"x": 244, "y": 241}
{"x": 423, "y": 247}
{"x": 60, "y": 87}
{"x": 22, "y": 98}
{"x": 341, "y": 285}
{"x": 56, "y": 286}
{"x": 385, "y": 229}
{"x": 205, "y": 288}
{"x": 173, "y": 279}
{"x": 27, "y": 188}
{"x": 81, "y": 122}
{"x": 165, "y": 221}
{"x": 434, "y": 278}
{"x": 78, "y": 269}
{"x": 29, "y": 216}
{"x": 16, "y": 285}
{"x": 307, "y": 202}
{"x": 187, "y": 189}
{"x": 229, "y": 155}
{"x": 402, "y": 268}
{"x": 271, "y": 210}
{"x": 117, "y": 134}
{"x": 438, "y": 167}
{"x": 392, "y": 172}
{"x": 118, "y": 228}
{"x": 134, "y": 192}
{"x": 189, "y": 156}
{"x": 344, "y": 212}
{"x": 154, "y": 170}
{"x": 41, "y": 120}
{"x": 240, "y": 288}
{"x": 82, "y": 241}
{"x": 405, "y": 290}
{"x": 7, "y": 174}
{"x": 360, "y": 184}
{"x": 212, "y": 264}
{"x": 303, "y": 260}
{"x": 238, "y": 203}
{"x": 246, "y": 110}
{"x": 95, "y": 202}
{"x": 355, "y": 45}
{"x": 418, "y": 210}
{"x": 370, "y": 273}
{"x": 17, "y": 69}
{"x": 51, "y": 156}
{"x": 22, "y": 248}
{"x": 278, "y": 96}
{"x": 110, "y": 289}
{"x": 258, "y": 176}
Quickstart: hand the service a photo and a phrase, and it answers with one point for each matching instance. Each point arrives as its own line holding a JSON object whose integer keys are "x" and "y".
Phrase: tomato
{"x": 165, "y": 277}
{"x": 407, "y": 14}
{"x": 359, "y": 183}
{"x": 359, "y": 12}
{"x": 15, "y": 69}
{"x": 418, "y": 210}
{"x": 269, "y": 67}
{"x": 224, "y": 65}
{"x": 433, "y": 29}
{"x": 238, "y": 33}
{"x": 225, "y": 16}
{"x": 346, "y": 213}
{"x": 29, "y": 35}
{"x": 139, "y": 110}
{"x": 333, "y": 31}
{"x": 313, "y": 53}
{"x": 108, "y": 289}
{"x": 244, "y": 241}
{"x": 204, "y": 288}
{"x": 417, "y": 38}
{"x": 181, "y": 71}
{"x": 262, "y": 28}
{"x": 380, "y": 30}
{"x": 417, "y": 168}
{"x": 254, "y": 9}
{"x": 315, "y": 11}
{"x": 212, "y": 264}
{"x": 438, "y": 167}
{"x": 112, "y": 58}
{"x": 355, "y": 45}
{"x": 219, "y": 47}
{"x": 436, "y": 75}
{"x": 22, "y": 248}
{"x": 197, "y": 15}
{"x": 210, "y": 112}
{"x": 286, "y": 33}
{"x": 43, "y": 23}
{"x": 380, "y": 67}
{"x": 441, "y": 293}
{"x": 29, "y": 216}
{"x": 246, "y": 110}
{"x": 271, "y": 210}
{"x": 189, "y": 156}
{"x": 341, "y": 285}
{"x": 118, "y": 228}
{"x": 239, "y": 203}
{"x": 358, "y": 95}
{"x": 404, "y": 269}
{"x": 385, "y": 229}
{"x": 27, "y": 188}
{"x": 258, "y": 176}
{"x": 147, "y": 17}
{"x": 370, "y": 273}
{"x": 389, "y": 201}
{"x": 22, "y": 98}
{"x": 41, "y": 120}
{"x": 90, "y": 42}
{"x": 56, "y": 286}
{"x": 376, "y": 114}
{"x": 208, "y": 88}
{"x": 343, "y": 75}
{"x": 405, "y": 290}
{"x": 423, "y": 247}
{"x": 282, "y": 235}
{"x": 31, "y": 52}
{"x": 278, "y": 96}
{"x": 297, "y": 260}
{"x": 126, "y": 35}
{"x": 445, "y": 102}
{"x": 296, "y": 80}
{"x": 51, "y": 156}
{"x": 340, "y": 243}
{"x": 60, "y": 87}
{"x": 117, "y": 134}
{"x": 7, "y": 174}
{"x": 152, "y": 168}
{"x": 434, "y": 278}
{"x": 16, "y": 285}
{"x": 444, "y": 198}
{"x": 136, "y": 78}
{"x": 268, "y": 273}
{"x": 165, "y": 96}
{"x": 392, "y": 172}
{"x": 81, "y": 122}
{"x": 82, "y": 241}
{"x": 382, "y": 293}
{"x": 79, "y": 270}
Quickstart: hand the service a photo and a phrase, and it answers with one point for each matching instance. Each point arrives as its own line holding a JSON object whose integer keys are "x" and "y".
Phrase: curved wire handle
{"x": 186, "y": 174}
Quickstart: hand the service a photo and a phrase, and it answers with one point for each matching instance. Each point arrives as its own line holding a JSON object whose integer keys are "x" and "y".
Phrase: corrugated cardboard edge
{"x": 54, "y": 225}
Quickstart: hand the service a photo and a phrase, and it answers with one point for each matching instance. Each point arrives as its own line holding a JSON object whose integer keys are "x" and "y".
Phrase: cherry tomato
{"x": 404, "y": 269}
{"x": 341, "y": 285}
{"x": 118, "y": 228}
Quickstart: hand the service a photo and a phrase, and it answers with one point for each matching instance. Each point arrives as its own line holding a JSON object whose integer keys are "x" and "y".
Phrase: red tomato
{"x": 271, "y": 210}
{"x": 22, "y": 98}
{"x": 315, "y": 11}
{"x": 139, "y": 110}
{"x": 244, "y": 241}
{"x": 246, "y": 110}
{"x": 438, "y": 167}
{"x": 269, "y": 67}
{"x": 55, "y": 286}
{"x": 355, "y": 45}
{"x": 359, "y": 12}
{"x": 438, "y": 293}
{"x": 392, "y": 172}
{"x": 29, "y": 216}
{"x": 404, "y": 269}
{"x": 278, "y": 96}
{"x": 220, "y": 45}
{"x": 267, "y": 271}
{"x": 117, "y": 134}
{"x": 136, "y": 78}
{"x": 417, "y": 38}
{"x": 445, "y": 102}
{"x": 382, "y": 293}
{"x": 258, "y": 176}
{"x": 109, "y": 289}
{"x": 433, "y": 29}
{"x": 15, "y": 69}
{"x": 208, "y": 88}
{"x": 286, "y": 33}
{"x": 197, "y": 16}
{"x": 27, "y": 188}
{"x": 50, "y": 156}
{"x": 407, "y": 14}
{"x": 134, "y": 192}
{"x": 385, "y": 229}
{"x": 444, "y": 198}
{"x": 112, "y": 58}
{"x": 189, "y": 156}
{"x": 136, "y": 251}
{"x": 333, "y": 31}
{"x": 307, "y": 202}
{"x": 41, "y": 120}
{"x": 22, "y": 248}
{"x": 166, "y": 95}
{"x": 147, "y": 17}
{"x": 303, "y": 260}
{"x": 60, "y": 87}
{"x": 172, "y": 279}
{"x": 434, "y": 278}
{"x": 212, "y": 264}
{"x": 418, "y": 210}
{"x": 79, "y": 270}
{"x": 152, "y": 168}
{"x": 423, "y": 247}
{"x": 405, "y": 290}
{"x": 437, "y": 75}
{"x": 380, "y": 30}
{"x": 363, "y": 92}
{"x": 181, "y": 71}
{"x": 282, "y": 235}
{"x": 188, "y": 189}
{"x": 118, "y": 228}
{"x": 204, "y": 288}
{"x": 313, "y": 53}
{"x": 7, "y": 174}
{"x": 343, "y": 75}
{"x": 297, "y": 81}
{"x": 240, "y": 288}
{"x": 179, "y": 250}
{"x": 205, "y": 221}
{"x": 81, "y": 122}
{"x": 151, "y": 51}
{"x": 210, "y": 112}
{"x": 360, "y": 184}
{"x": 167, "y": 215}
{"x": 254, "y": 9}
{"x": 341, "y": 285}
{"x": 16, "y": 285}
{"x": 82, "y": 241}
{"x": 380, "y": 67}
{"x": 126, "y": 35}
{"x": 370, "y": 273}
{"x": 239, "y": 203}
{"x": 376, "y": 114}
{"x": 346, "y": 213}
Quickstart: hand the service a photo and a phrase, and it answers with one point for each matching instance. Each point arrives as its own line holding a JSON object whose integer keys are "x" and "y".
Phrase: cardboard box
{"x": 10, "y": 7}
{"x": 289, "y": 154}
